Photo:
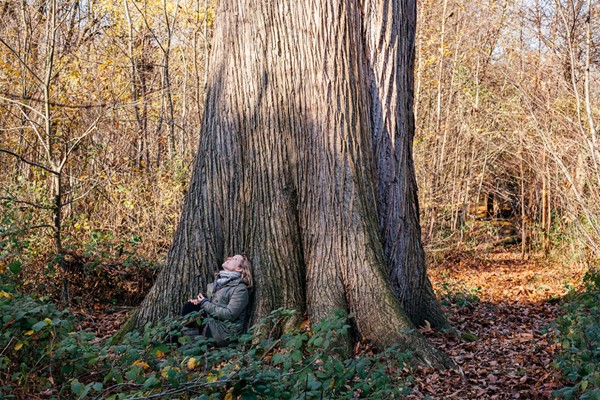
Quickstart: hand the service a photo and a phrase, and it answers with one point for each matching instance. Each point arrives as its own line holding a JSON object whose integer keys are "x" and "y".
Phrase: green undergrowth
{"x": 579, "y": 335}
{"x": 457, "y": 292}
{"x": 99, "y": 265}
{"x": 42, "y": 352}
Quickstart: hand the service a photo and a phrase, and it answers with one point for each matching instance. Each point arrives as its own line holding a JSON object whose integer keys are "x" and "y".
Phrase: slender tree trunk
{"x": 53, "y": 149}
{"x": 57, "y": 211}
{"x": 522, "y": 199}
{"x": 595, "y": 152}
{"x": 167, "y": 79}
{"x": 184, "y": 105}
{"x": 285, "y": 172}
{"x": 544, "y": 211}
{"x": 437, "y": 157}
{"x": 134, "y": 88}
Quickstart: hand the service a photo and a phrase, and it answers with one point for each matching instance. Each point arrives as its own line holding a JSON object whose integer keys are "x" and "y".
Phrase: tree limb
{"x": 82, "y": 196}
{"x": 29, "y": 203}
{"x": 78, "y": 140}
{"x": 4, "y": 234}
{"x": 23, "y": 63}
{"x": 14, "y": 97}
{"x": 26, "y": 161}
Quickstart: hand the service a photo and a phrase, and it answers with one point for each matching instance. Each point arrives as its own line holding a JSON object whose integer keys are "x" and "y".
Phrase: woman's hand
{"x": 198, "y": 299}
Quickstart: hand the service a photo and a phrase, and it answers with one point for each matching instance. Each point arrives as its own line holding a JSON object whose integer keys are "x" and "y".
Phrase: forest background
{"x": 101, "y": 104}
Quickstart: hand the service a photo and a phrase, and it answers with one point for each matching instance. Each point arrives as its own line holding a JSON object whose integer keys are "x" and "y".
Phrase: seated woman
{"x": 226, "y": 300}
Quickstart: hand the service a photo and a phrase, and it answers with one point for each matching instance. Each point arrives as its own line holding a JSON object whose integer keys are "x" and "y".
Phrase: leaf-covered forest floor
{"x": 503, "y": 308}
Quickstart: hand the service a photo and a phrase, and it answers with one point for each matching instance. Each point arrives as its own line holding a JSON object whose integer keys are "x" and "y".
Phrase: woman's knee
{"x": 190, "y": 307}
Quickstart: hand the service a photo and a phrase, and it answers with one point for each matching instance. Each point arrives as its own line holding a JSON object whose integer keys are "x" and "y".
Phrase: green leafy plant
{"x": 300, "y": 364}
{"x": 44, "y": 353}
{"x": 458, "y": 293}
{"x": 579, "y": 337}
{"x": 31, "y": 340}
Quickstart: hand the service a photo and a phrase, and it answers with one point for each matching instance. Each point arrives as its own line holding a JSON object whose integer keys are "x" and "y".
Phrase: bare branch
{"x": 77, "y": 141}
{"x": 7, "y": 233}
{"x": 21, "y": 61}
{"x": 83, "y": 195}
{"x": 39, "y": 135}
{"x": 29, "y": 203}
{"x": 15, "y": 98}
{"x": 149, "y": 28}
{"x": 15, "y": 101}
{"x": 26, "y": 161}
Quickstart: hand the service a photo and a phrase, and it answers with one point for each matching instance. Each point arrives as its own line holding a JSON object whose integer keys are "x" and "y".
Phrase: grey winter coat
{"x": 227, "y": 309}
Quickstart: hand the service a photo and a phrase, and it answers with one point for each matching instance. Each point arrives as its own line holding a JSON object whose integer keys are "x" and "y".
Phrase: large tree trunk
{"x": 285, "y": 172}
{"x": 390, "y": 43}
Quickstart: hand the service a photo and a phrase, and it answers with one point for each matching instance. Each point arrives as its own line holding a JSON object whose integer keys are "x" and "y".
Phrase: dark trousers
{"x": 190, "y": 307}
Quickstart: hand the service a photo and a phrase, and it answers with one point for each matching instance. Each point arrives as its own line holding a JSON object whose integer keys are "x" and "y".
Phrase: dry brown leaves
{"x": 510, "y": 353}
{"x": 103, "y": 321}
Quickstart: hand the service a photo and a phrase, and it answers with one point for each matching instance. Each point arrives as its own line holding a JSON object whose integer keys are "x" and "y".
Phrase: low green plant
{"x": 458, "y": 293}
{"x": 300, "y": 364}
{"x": 14, "y": 240}
{"x": 38, "y": 346}
{"x": 579, "y": 336}
{"x": 43, "y": 353}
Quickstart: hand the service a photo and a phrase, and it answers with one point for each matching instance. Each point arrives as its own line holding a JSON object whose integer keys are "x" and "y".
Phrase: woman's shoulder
{"x": 240, "y": 285}
{"x": 234, "y": 283}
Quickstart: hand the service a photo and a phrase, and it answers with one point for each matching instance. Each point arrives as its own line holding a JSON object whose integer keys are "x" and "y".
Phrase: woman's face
{"x": 233, "y": 264}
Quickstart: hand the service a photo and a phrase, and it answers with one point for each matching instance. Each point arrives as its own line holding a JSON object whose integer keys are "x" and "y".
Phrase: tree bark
{"x": 390, "y": 40}
{"x": 286, "y": 173}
